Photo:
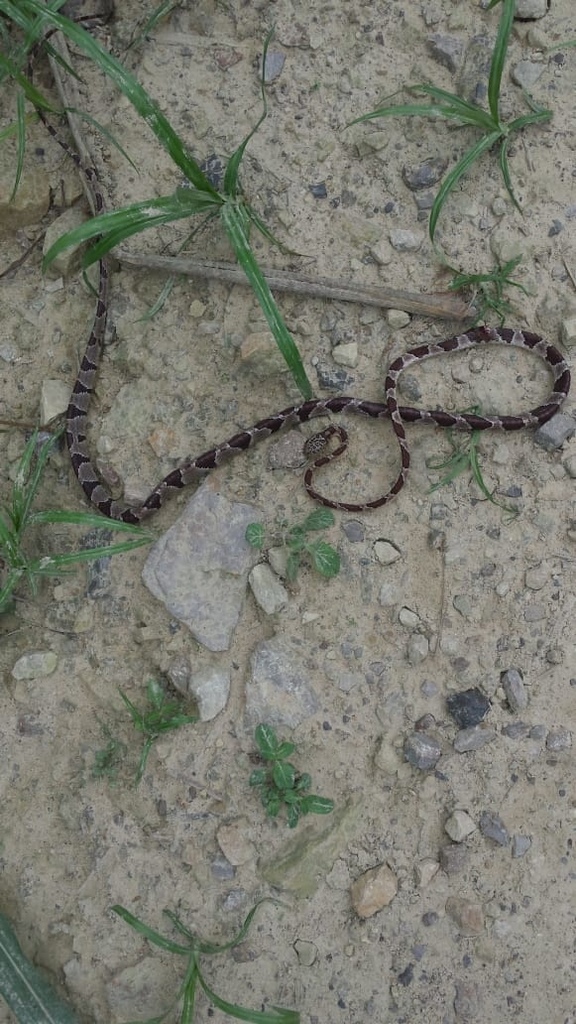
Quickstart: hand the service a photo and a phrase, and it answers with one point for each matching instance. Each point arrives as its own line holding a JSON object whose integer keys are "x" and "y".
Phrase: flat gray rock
{"x": 199, "y": 568}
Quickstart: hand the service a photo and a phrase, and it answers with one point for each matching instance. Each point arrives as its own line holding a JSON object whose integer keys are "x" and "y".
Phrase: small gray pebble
{"x": 221, "y": 868}
{"x": 353, "y": 530}
{"x": 520, "y": 845}
{"x": 409, "y": 387}
{"x": 446, "y": 50}
{"x": 553, "y": 434}
{"x": 422, "y": 751}
{"x": 424, "y": 175}
{"x": 516, "y": 730}
{"x": 273, "y": 65}
{"x": 430, "y": 918}
{"x": 334, "y": 380}
{"x": 429, "y": 688}
{"x": 453, "y": 858}
{"x": 425, "y": 722}
{"x": 473, "y": 739}
{"x": 559, "y": 739}
{"x": 513, "y": 685}
{"x": 492, "y": 827}
{"x": 538, "y": 732}
{"x": 557, "y": 227}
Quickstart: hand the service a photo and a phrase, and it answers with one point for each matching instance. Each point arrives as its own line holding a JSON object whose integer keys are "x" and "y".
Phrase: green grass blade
{"x": 503, "y": 161}
{"x": 30, "y": 91}
{"x": 21, "y": 142}
{"x": 29, "y": 996}
{"x": 153, "y": 20}
{"x": 148, "y": 933}
{"x": 467, "y": 112}
{"x": 499, "y": 58}
{"x": 131, "y": 88}
{"x": 234, "y": 220}
{"x": 121, "y": 224}
{"x": 231, "y": 183}
{"x": 275, "y": 1015}
{"x": 458, "y": 172}
{"x": 89, "y": 520}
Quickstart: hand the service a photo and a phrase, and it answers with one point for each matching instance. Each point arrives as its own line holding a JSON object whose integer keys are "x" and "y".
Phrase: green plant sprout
{"x": 464, "y": 458}
{"x": 193, "y": 949}
{"x": 494, "y": 132}
{"x": 17, "y": 520}
{"x": 108, "y": 760}
{"x": 323, "y": 557}
{"x": 489, "y": 288}
{"x": 162, "y": 715}
{"x": 199, "y": 196}
{"x": 280, "y": 784}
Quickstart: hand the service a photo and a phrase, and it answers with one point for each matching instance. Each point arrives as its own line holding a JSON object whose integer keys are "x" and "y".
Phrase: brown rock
{"x": 468, "y": 916}
{"x": 374, "y": 890}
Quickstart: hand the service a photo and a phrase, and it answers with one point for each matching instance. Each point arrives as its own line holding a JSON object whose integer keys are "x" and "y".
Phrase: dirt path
{"x": 481, "y": 929}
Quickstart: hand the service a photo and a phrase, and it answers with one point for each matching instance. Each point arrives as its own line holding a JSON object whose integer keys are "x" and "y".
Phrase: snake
{"x": 318, "y": 449}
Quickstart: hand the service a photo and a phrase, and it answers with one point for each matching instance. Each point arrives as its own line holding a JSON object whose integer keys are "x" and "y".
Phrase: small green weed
{"x": 193, "y": 949}
{"x": 464, "y": 458}
{"x": 162, "y": 714}
{"x": 494, "y": 132}
{"x": 109, "y": 759}
{"x": 199, "y": 196}
{"x": 280, "y": 784}
{"x": 323, "y": 557}
{"x": 17, "y": 520}
{"x": 489, "y": 288}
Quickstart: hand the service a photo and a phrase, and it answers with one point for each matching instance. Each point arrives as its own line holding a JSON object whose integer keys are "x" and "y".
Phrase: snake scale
{"x": 317, "y": 447}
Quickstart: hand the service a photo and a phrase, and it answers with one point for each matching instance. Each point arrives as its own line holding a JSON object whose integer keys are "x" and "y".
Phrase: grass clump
{"x": 464, "y": 457}
{"x": 297, "y": 543}
{"x": 18, "y": 553}
{"x": 488, "y": 289}
{"x": 279, "y": 782}
{"x": 163, "y": 714}
{"x": 198, "y": 197}
{"x": 193, "y": 949}
{"x": 494, "y": 132}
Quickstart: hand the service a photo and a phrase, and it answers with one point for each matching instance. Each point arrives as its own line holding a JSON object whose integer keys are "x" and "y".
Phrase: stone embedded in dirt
{"x": 530, "y": 10}
{"x": 467, "y": 915}
{"x": 234, "y": 843}
{"x": 307, "y": 952}
{"x": 424, "y": 175}
{"x": 473, "y": 739}
{"x": 512, "y": 683}
{"x": 142, "y": 983}
{"x": 54, "y": 399}
{"x": 417, "y": 649}
{"x": 68, "y": 261}
{"x": 422, "y": 751}
{"x": 555, "y": 432}
{"x": 425, "y": 870}
{"x": 199, "y": 567}
{"x": 354, "y": 530}
{"x": 520, "y": 845}
{"x": 373, "y": 891}
{"x": 468, "y": 1001}
{"x": 526, "y": 73}
{"x": 516, "y": 730}
{"x": 468, "y": 707}
{"x": 453, "y": 858}
{"x": 492, "y": 827}
{"x": 35, "y": 665}
{"x": 459, "y": 826}
{"x": 406, "y": 241}
{"x": 210, "y": 689}
{"x": 386, "y": 552}
{"x": 279, "y": 690}
{"x": 446, "y": 50}
{"x": 268, "y": 592}
{"x": 221, "y": 868}
{"x": 397, "y": 319}
{"x": 333, "y": 380}
{"x": 559, "y": 739}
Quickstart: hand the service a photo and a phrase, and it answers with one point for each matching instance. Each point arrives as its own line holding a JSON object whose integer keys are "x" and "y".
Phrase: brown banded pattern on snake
{"x": 194, "y": 469}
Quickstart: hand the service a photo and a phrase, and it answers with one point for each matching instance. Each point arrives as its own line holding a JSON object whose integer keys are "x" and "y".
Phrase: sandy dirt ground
{"x": 482, "y": 926}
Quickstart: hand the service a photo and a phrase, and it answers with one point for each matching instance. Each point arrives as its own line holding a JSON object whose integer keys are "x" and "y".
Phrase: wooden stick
{"x": 440, "y": 304}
